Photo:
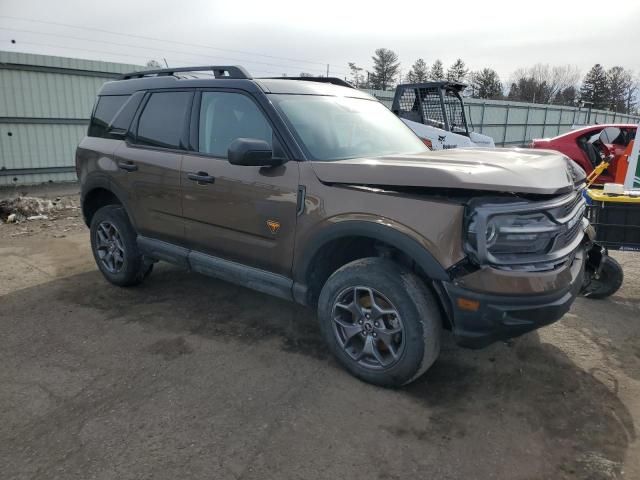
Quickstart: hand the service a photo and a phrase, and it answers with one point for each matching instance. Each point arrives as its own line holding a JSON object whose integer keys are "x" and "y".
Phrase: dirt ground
{"x": 189, "y": 377}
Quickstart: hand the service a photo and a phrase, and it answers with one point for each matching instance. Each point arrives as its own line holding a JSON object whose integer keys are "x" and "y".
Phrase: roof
{"x": 266, "y": 85}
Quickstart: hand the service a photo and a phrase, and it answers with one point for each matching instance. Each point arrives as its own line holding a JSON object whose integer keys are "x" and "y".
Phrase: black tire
{"x": 131, "y": 268}
{"x": 607, "y": 282}
{"x": 417, "y": 314}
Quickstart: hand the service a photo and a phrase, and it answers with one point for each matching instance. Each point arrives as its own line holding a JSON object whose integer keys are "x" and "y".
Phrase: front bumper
{"x": 480, "y": 318}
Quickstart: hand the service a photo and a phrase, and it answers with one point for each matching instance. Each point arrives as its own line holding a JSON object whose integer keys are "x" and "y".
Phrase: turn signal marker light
{"x": 467, "y": 304}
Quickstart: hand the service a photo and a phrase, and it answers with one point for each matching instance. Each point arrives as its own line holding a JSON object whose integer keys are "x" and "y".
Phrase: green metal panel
{"x": 45, "y": 105}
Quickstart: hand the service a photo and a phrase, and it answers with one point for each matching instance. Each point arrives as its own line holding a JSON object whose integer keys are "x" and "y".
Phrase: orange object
{"x": 467, "y": 304}
{"x": 623, "y": 164}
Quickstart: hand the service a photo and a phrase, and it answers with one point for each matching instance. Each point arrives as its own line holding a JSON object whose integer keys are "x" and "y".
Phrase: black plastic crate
{"x": 617, "y": 224}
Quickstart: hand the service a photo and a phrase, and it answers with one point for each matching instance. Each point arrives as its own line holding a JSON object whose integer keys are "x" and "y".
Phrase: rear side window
{"x": 105, "y": 111}
{"x": 162, "y": 121}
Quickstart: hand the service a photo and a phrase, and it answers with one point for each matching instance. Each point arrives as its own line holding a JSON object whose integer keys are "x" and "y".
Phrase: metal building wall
{"x": 517, "y": 123}
{"x": 45, "y": 105}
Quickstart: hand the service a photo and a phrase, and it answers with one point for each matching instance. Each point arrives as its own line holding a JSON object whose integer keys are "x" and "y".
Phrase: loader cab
{"x": 437, "y": 104}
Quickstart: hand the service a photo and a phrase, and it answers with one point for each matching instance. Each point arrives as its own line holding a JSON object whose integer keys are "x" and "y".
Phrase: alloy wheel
{"x": 368, "y": 327}
{"x": 110, "y": 248}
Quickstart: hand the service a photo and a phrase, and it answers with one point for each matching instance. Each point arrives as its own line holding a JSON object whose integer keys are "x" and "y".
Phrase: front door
{"x": 239, "y": 213}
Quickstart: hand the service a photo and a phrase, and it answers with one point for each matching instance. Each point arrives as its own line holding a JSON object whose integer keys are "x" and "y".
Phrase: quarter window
{"x": 225, "y": 117}
{"x": 162, "y": 121}
{"x": 106, "y": 109}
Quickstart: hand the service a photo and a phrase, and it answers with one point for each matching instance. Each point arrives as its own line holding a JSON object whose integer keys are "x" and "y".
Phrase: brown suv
{"x": 315, "y": 192}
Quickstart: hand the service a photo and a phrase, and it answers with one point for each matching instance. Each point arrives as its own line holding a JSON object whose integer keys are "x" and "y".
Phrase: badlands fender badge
{"x": 273, "y": 226}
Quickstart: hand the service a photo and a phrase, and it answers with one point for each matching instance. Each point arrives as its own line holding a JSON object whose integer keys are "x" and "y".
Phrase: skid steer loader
{"x": 435, "y": 112}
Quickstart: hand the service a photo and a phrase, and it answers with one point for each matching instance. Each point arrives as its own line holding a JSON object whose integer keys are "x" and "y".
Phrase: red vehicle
{"x": 585, "y": 147}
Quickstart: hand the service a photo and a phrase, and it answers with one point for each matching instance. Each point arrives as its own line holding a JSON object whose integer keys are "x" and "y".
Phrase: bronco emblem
{"x": 273, "y": 226}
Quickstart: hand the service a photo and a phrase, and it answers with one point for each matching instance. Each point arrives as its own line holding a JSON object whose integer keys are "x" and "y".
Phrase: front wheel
{"x": 605, "y": 281}
{"x": 380, "y": 321}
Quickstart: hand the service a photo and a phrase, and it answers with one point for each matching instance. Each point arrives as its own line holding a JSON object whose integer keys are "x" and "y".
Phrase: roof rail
{"x": 332, "y": 80}
{"x": 219, "y": 71}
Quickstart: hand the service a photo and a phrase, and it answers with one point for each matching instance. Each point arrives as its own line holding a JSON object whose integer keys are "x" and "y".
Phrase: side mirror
{"x": 609, "y": 134}
{"x": 251, "y": 152}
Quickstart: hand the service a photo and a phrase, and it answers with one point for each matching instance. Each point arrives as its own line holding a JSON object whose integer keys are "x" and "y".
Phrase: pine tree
{"x": 419, "y": 72}
{"x": 457, "y": 72}
{"x": 594, "y": 87}
{"x": 437, "y": 71}
{"x": 385, "y": 68}
{"x": 619, "y": 81}
{"x": 486, "y": 84}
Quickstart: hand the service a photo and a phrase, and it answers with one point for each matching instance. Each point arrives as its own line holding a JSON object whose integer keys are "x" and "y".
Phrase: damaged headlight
{"x": 505, "y": 234}
{"x": 531, "y": 234}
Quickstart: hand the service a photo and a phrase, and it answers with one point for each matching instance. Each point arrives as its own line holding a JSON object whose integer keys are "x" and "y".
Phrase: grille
{"x": 568, "y": 236}
{"x": 570, "y": 214}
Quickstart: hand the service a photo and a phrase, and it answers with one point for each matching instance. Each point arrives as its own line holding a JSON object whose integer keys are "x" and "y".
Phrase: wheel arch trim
{"x": 382, "y": 230}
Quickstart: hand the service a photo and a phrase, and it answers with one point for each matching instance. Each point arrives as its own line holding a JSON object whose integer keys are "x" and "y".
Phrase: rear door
{"x": 149, "y": 164}
{"x": 244, "y": 214}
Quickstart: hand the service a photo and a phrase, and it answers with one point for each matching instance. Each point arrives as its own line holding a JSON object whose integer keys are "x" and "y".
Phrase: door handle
{"x": 201, "y": 177}
{"x": 128, "y": 166}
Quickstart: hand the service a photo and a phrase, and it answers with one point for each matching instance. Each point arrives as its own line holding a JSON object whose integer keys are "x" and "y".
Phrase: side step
{"x": 233, "y": 272}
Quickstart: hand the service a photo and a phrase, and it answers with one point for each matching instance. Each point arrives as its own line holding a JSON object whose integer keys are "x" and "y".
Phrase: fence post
{"x": 506, "y": 125}
{"x": 526, "y": 125}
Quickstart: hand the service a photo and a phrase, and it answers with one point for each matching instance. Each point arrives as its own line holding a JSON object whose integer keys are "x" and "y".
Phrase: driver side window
{"x": 225, "y": 117}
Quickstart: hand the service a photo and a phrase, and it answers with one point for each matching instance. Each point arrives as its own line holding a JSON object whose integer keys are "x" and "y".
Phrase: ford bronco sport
{"x": 313, "y": 191}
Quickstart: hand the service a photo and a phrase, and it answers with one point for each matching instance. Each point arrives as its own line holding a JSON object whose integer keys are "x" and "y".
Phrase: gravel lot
{"x": 189, "y": 377}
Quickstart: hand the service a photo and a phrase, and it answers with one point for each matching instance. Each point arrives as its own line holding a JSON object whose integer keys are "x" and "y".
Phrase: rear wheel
{"x": 606, "y": 281}
{"x": 115, "y": 249}
{"x": 380, "y": 321}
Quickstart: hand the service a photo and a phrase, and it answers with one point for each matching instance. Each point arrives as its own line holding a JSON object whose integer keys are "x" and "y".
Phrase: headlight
{"x": 508, "y": 234}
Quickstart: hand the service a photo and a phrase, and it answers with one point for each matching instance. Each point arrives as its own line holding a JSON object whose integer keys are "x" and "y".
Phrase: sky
{"x": 274, "y": 37}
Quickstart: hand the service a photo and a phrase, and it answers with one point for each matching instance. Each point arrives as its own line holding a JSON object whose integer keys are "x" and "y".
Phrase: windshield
{"x": 335, "y": 128}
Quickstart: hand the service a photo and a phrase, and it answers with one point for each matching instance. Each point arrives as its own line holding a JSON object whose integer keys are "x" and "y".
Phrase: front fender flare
{"x": 384, "y": 232}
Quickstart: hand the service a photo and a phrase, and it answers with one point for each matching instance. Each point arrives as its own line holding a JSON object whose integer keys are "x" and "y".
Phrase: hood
{"x": 514, "y": 170}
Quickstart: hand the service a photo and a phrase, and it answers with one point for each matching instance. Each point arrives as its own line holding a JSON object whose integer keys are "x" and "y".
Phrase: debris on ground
{"x": 19, "y": 209}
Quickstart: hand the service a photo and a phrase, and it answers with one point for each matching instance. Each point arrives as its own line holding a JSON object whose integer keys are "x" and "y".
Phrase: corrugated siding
{"x": 64, "y": 62}
{"x": 47, "y": 95}
{"x": 67, "y": 94}
{"x": 35, "y": 145}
